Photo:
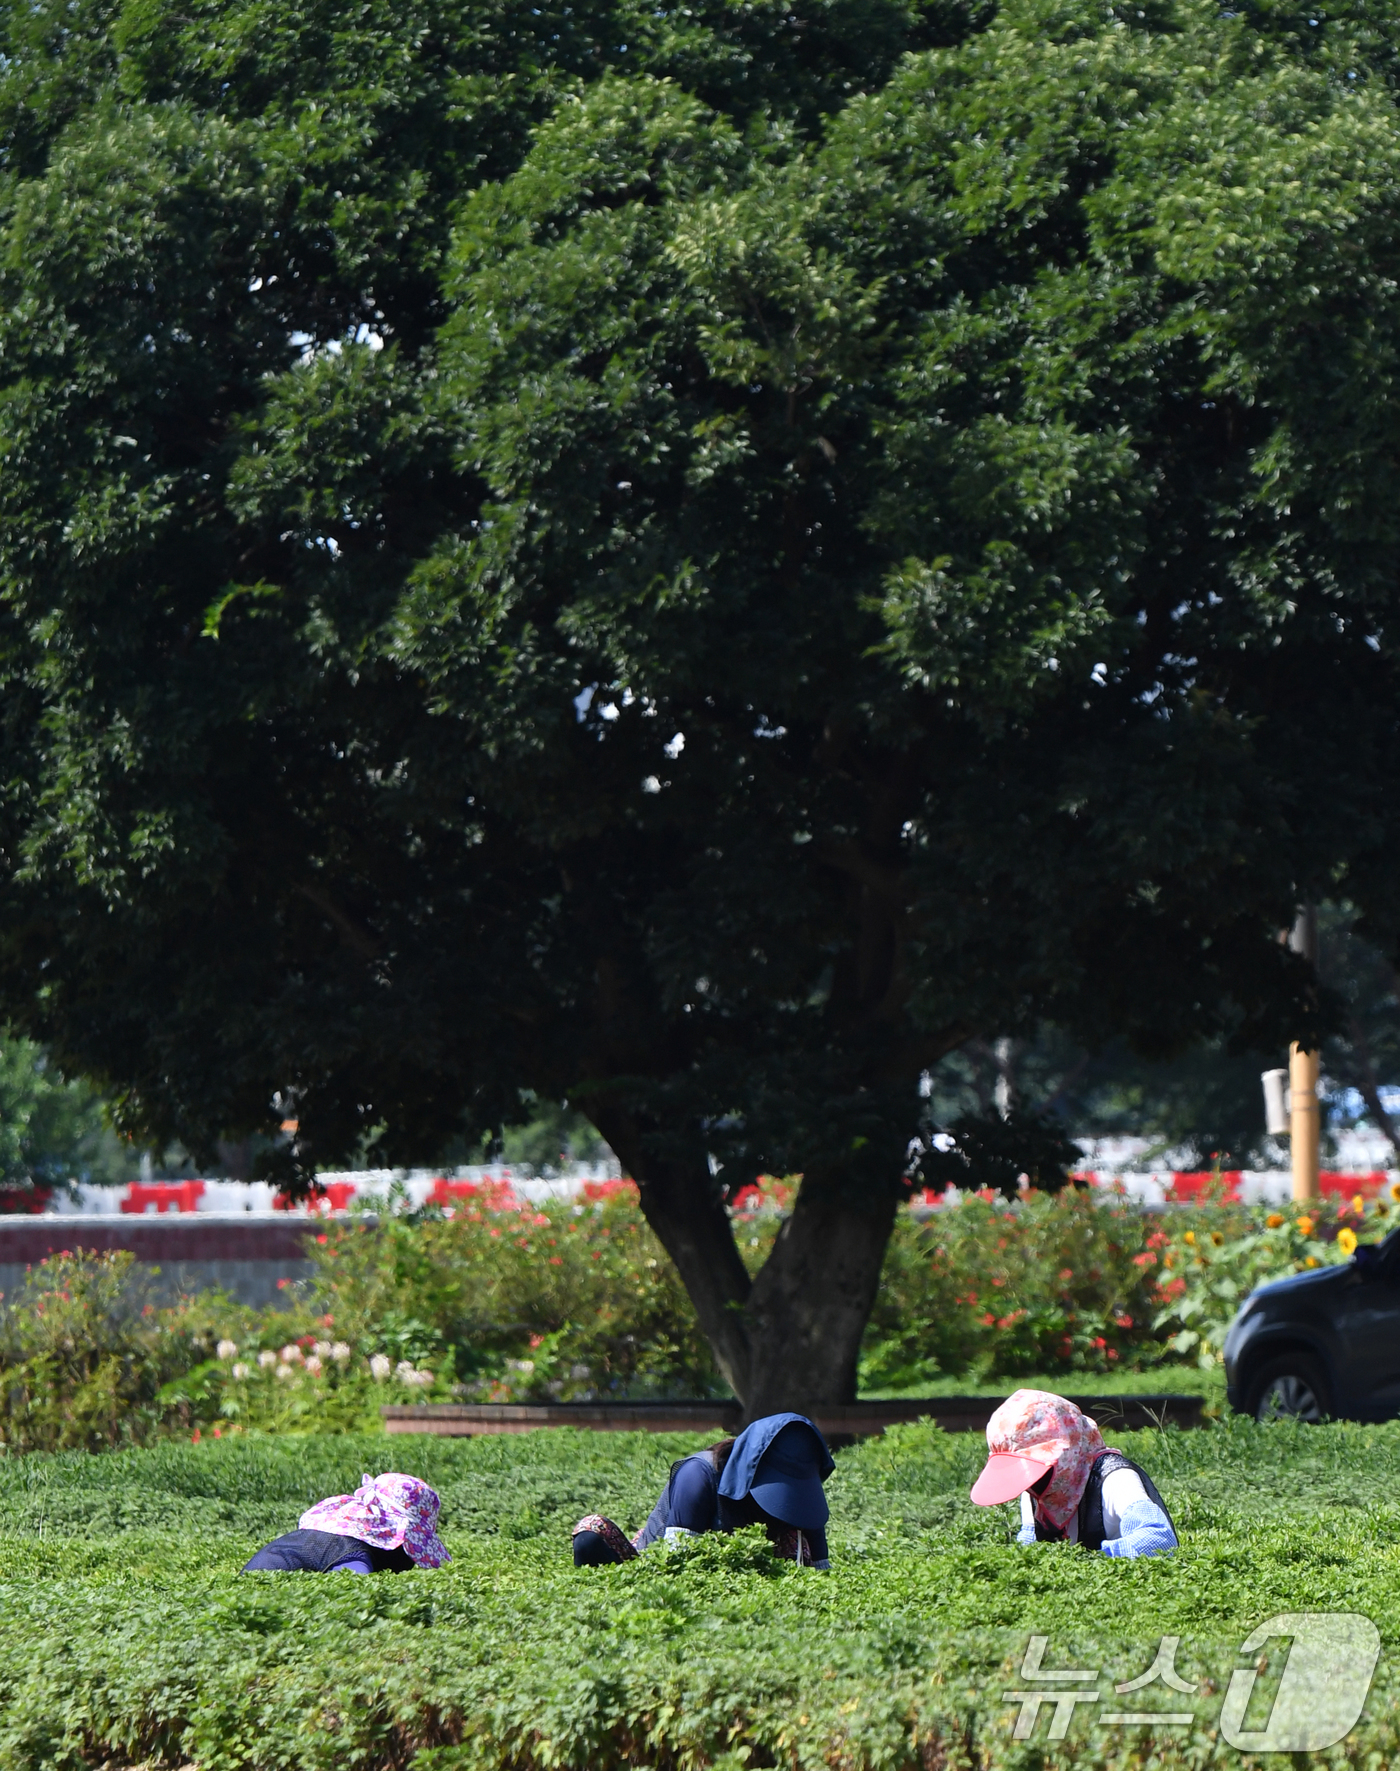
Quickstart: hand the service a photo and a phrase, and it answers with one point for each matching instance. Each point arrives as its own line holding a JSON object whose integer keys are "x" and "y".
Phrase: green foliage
{"x": 84, "y": 1357}
{"x": 995, "y": 1149}
{"x": 52, "y": 1130}
{"x": 688, "y": 562}
{"x": 126, "y": 1635}
{"x": 1053, "y": 1283}
{"x": 1207, "y": 1273}
{"x": 565, "y": 1300}
{"x": 1364, "y": 1055}
{"x": 504, "y": 1303}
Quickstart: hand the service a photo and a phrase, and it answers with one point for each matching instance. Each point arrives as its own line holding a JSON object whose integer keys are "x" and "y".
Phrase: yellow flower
{"x": 1191, "y": 1237}
{"x": 1274, "y": 1219}
{"x": 1346, "y": 1241}
{"x": 1395, "y": 1190}
{"x": 1381, "y": 1208}
{"x": 1216, "y": 1238}
{"x": 1311, "y": 1261}
{"x": 1305, "y": 1225}
{"x": 1358, "y": 1204}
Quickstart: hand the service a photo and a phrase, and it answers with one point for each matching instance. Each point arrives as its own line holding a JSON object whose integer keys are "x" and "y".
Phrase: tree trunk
{"x": 812, "y": 1300}
{"x": 789, "y": 1339}
{"x": 683, "y": 1205}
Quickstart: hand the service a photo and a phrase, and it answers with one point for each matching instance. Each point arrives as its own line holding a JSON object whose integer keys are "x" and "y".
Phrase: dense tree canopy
{"x": 689, "y": 561}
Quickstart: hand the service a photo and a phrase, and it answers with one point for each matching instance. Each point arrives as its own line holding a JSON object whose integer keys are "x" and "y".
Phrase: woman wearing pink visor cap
{"x": 1073, "y": 1487}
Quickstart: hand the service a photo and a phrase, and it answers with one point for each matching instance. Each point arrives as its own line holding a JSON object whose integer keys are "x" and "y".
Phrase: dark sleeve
{"x": 693, "y": 1490}
{"x": 306, "y": 1551}
{"x": 396, "y": 1561}
{"x": 688, "y": 1496}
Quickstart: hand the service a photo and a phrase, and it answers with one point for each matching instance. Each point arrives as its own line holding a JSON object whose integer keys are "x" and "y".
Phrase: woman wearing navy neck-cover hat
{"x": 771, "y": 1475}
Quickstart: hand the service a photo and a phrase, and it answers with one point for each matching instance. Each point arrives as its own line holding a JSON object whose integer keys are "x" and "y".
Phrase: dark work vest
{"x": 1091, "y": 1502}
{"x": 306, "y": 1551}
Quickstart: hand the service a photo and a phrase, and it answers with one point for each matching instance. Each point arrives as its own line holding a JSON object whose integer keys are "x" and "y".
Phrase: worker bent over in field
{"x": 388, "y": 1525}
{"x": 1073, "y": 1488}
{"x": 771, "y": 1475}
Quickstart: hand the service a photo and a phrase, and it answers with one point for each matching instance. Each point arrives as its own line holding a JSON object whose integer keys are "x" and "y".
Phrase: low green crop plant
{"x": 128, "y": 1637}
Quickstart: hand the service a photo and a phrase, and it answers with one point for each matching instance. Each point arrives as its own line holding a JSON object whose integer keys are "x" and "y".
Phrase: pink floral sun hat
{"x": 1034, "y": 1431}
{"x": 385, "y": 1511}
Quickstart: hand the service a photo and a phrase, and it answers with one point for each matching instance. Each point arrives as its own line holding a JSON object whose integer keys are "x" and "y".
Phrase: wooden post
{"x": 1304, "y": 1114}
{"x": 1305, "y": 1123}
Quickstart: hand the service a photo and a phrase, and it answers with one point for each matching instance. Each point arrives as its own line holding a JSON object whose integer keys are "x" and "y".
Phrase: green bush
{"x": 85, "y": 1357}
{"x": 1208, "y": 1269}
{"x": 1050, "y": 1282}
{"x": 504, "y": 1302}
{"x": 510, "y": 1301}
{"x": 127, "y": 1638}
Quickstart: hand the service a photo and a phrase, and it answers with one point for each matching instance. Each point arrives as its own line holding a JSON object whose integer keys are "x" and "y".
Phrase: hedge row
{"x": 506, "y": 1302}
{"x": 127, "y": 1638}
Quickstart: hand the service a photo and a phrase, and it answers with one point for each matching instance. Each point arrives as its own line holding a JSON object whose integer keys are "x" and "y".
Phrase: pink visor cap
{"x": 1007, "y": 1474}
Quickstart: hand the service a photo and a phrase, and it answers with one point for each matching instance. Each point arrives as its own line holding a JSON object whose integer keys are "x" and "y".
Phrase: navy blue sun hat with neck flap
{"x": 781, "y": 1461}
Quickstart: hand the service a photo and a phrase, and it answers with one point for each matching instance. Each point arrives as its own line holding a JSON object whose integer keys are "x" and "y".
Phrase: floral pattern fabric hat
{"x": 1034, "y": 1431}
{"x": 385, "y": 1511}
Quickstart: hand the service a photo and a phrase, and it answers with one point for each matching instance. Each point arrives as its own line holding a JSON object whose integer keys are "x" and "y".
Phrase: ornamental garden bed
{"x": 128, "y": 1639}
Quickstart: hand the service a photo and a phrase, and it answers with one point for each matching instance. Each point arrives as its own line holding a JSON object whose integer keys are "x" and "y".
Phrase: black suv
{"x": 1326, "y": 1342}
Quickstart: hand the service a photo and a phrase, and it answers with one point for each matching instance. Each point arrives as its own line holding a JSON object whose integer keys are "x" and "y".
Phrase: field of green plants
{"x": 127, "y": 1637}
{"x": 503, "y": 1301}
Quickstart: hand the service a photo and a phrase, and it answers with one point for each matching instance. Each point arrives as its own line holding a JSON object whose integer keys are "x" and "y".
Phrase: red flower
{"x": 323, "y": 1238}
{"x": 556, "y": 1260}
{"x": 1144, "y": 1260}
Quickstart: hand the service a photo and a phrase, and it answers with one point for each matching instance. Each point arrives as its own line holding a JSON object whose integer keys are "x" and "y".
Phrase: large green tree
{"x": 688, "y": 562}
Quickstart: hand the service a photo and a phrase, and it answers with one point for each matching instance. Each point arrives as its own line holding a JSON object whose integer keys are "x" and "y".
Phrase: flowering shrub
{"x": 1000, "y": 1289}
{"x": 84, "y": 1357}
{"x": 493, "y": 1298}
{"x": 503, "y": 1301}
{"x": 1205, "y": 1274}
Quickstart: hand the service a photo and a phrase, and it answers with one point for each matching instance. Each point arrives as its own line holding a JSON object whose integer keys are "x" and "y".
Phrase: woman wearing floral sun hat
{"x": 387, "y": 1525}
{"x": 1072, "y": 1487}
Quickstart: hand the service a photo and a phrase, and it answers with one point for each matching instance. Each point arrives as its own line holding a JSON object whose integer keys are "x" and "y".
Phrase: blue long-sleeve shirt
{"x": 1134, "y": 1525}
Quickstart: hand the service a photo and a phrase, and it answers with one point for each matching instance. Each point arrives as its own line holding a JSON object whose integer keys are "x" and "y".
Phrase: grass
{"x": 1158, "y": 1380}
{"x": 128, "y": 1638}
